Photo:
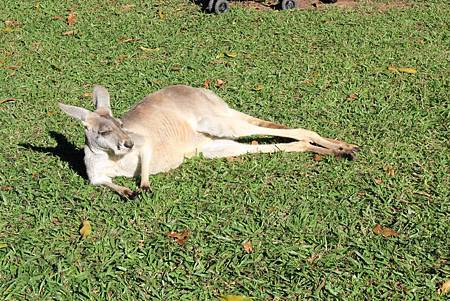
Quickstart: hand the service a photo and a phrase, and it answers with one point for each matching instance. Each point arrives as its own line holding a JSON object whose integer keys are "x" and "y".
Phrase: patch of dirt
{"x": 390, "y": 5}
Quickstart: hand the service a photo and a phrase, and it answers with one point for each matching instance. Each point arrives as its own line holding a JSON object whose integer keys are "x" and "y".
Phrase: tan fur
{"x": 177, "y": 122}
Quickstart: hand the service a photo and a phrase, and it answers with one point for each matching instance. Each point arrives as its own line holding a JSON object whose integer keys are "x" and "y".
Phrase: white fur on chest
{"x": 100, "y": 165}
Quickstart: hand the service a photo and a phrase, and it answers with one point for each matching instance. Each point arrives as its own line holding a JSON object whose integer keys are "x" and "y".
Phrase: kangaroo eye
{"x": 104, "y": 132}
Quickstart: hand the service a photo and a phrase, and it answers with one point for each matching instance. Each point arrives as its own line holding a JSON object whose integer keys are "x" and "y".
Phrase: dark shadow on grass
{"x": 65, "y": 150}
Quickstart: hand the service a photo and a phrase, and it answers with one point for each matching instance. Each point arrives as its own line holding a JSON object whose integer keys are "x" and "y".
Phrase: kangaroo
{"x": 174, "y": 123}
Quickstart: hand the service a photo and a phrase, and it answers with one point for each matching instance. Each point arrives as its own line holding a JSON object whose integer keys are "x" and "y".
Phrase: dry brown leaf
{"x": 385, "y": 231}
{"x": 206, "y": 84}
{"x": 57, "y": 18}
{"x": 248, "y": 246}
{"x": 12, "y": 23}
{"x": 254, "y": 142}
{"x": 219, "y": 83}
{"x": 317, "y": 157}
{"x": 377, "y": 229}
{"x": 161, "y": 15}
{"x": 388, "y": 232}
{"x": 87, "y": 95}
{"x": 352, "y": 97}
{"x": 378, "y": 181}
{"x": 70, "y": 32}
{"x": 56, "y": 221}
{"x": 71, "y": 18}
{"x": 445, "y": 287}
{"x": 180, "y": 238}
{"x": 6, "y": 188}
{"x": 86, "y": 229}
{"x": 7, "y": 100}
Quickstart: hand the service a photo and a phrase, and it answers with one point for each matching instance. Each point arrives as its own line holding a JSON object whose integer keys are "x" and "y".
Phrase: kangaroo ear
{"x": 76, "y": 112}
{"x": 100, "y": 97}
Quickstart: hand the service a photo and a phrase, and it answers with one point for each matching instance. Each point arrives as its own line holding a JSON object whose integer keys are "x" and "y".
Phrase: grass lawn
{"x": 311, "y": 222}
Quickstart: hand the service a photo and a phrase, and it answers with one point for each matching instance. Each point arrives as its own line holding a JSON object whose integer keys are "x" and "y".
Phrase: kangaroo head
{"x": 103, "y": 131}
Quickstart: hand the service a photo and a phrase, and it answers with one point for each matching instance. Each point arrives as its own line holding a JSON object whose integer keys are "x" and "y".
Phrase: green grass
{"x": 310, "y": 222}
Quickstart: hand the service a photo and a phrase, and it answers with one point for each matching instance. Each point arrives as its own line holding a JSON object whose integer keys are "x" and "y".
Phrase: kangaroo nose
{"x": 128, "y": 144}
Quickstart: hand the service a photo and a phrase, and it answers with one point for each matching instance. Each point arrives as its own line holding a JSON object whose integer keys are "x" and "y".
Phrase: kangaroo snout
{"x": 128, "y": 144}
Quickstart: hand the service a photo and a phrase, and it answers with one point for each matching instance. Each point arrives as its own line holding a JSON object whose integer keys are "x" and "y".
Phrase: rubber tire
{"x": 221, "y": 6}
{"x": 288, "y": 4}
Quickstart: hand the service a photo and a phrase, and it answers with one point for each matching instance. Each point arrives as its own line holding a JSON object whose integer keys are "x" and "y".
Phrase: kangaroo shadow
{"x": 65, "y": 150}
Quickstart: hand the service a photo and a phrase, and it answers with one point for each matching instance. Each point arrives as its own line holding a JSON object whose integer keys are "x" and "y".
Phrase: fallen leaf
{"x": 85, "y": 229}
{"x": 378, "y": 181}
{"x": 390, "y": 170}
{"x": 385, "y": 231}
{"x": 377, "y": 229}
{"x": 407, "y": 70}
{"x": 219, "y": 83}
{"x": 70, "y": 32}
{"x": 57, "y": 18}
{"x": 71, "y": 18}
{"x": 231, "y": 54}
{"x": 234, "y": 298}
{"x": 12, "y": 23}
{"x": 445, "y": 287}
{"x": 317, "y": 157}
{"x": 3, "y": 245}
{"x": 7, "y": 100}
{"x": 161, "y": 15}
{"x": 56, "y": 221}
{"x": 395, "y": 69}
{"x": 175, "y": 68}
{"x": 388, "y": 232}
{"x": 87, "y": 95}
{"x": 352, "y": 97}
{"x": 254, "y": 142}
{"x": 258, "y": 87}
{"x": 206, "y": 84}
{"x": 141, "y": 243}
{"x": 180, "y": 238}
{"x": 6, "y": 188}
{"x": 145, "y": 49}
{"x": 248, "y": 247}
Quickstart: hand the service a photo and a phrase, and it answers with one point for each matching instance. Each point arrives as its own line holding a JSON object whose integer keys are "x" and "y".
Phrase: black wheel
{"x": 220, "y": 6}
{"x": 287, "y": 4}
